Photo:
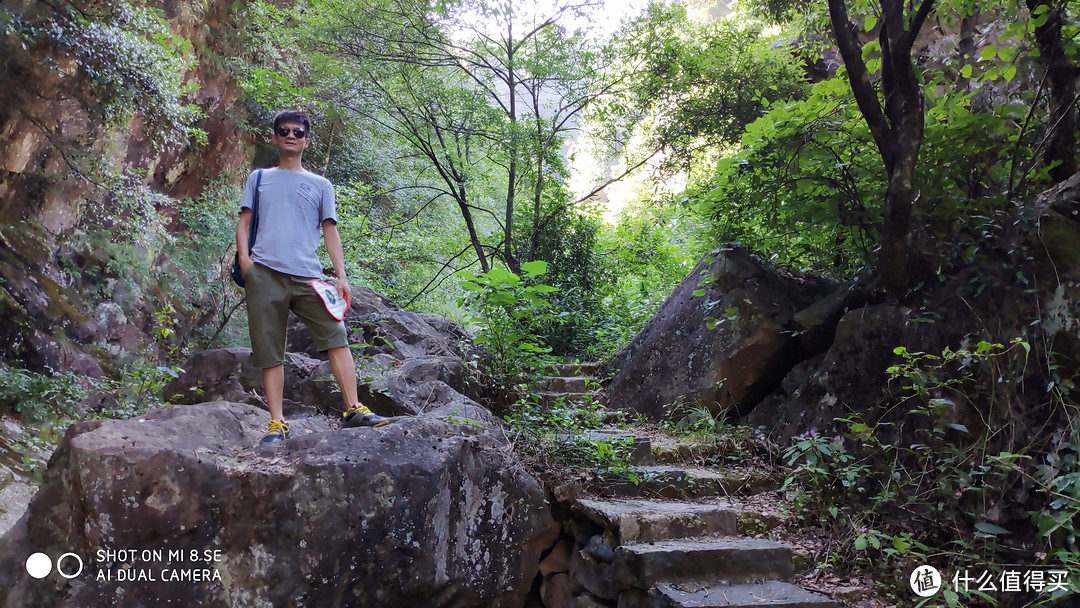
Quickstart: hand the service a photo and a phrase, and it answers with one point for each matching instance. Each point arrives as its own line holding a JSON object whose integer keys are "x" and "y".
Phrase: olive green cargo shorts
{"x": 270, "y": 295}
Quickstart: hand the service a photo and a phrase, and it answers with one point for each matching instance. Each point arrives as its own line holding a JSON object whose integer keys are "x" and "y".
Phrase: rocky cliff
{"x": 80, "y": 146}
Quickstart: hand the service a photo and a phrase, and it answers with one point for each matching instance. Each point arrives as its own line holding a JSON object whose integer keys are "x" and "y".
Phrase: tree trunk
{"x": 474, "y": 238}
{"x": 1061, "y": 74}
{"x": 537, "y": 194}
{"x": 966, "y": 46}
{"x": 511, "y": 178}
{"x": 897, "y": 127}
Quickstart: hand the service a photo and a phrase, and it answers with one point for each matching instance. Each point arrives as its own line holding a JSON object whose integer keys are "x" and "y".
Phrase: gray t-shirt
{"x": 292, "y": 207}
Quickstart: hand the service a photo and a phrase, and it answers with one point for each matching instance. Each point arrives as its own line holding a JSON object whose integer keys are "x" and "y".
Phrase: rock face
{"x": 49, "y": 103}
{"x": 824, "y": 388}
{"x": 55, "y": 146}
{"x": 752, "y": 344}
{"x": 409, "y": 364}
{"x": 422, "y": 512}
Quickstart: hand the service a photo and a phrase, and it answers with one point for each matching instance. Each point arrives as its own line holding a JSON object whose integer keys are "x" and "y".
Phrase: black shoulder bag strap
{"x": 254, "y": 230}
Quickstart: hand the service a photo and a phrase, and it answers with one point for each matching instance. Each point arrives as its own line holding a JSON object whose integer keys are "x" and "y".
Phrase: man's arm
{"x": 243, "y": 228}
{"x": 337, "y": 258}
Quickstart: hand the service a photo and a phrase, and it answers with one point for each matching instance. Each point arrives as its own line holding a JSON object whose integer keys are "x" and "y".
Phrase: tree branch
{"x": 859, "y": 78}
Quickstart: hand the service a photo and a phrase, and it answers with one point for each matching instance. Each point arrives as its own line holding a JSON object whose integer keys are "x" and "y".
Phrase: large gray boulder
{"x": 376, "y": 325}
{"x": 423, "y": 512}
{"x": 228, "y": 374}
{"x": 726, "y": 348}
{"x": 407, "y": 363}
{"x": 849, "y": 377}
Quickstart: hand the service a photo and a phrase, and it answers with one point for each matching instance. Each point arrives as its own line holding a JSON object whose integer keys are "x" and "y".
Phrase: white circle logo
{"x": 925, "y": 581}
{"x": 38, "y": 565}
{"x": 69, "y": 574}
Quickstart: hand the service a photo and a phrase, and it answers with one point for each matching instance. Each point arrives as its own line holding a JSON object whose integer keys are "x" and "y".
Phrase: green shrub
{"x": 36, "y": 396}
{"x": 506, "y": 306}
{"x": 920, "y": 465}
{"x": 556, "y": 435}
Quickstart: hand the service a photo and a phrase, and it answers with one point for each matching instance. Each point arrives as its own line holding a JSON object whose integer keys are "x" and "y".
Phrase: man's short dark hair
{"x": 292, "y": 116}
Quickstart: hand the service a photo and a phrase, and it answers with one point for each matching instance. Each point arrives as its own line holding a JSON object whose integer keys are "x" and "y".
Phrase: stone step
{"x": 549, "y": 398}
{"x": 679, "y": 452}
{"x": 633, "y": 568}
{"x": 565, "y": 384}
{"x": 769, "y": 594}
{"x": 571, "y": 369}
{"x": 637, "y": 520}
{"x": 640, "y": 447}
{"x": 676, "y": 482}
{"x": 720, "y": 559}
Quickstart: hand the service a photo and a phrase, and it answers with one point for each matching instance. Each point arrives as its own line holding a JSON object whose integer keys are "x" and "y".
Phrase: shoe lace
{"x": 359, "y": 409}
{"x": 277, "y": 426}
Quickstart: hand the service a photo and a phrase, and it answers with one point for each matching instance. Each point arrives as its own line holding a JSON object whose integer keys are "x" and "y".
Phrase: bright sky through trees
{"x": 600, "y": 23}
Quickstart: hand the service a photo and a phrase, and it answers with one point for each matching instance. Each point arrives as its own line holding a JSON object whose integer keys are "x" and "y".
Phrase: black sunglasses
{"x": 297, "y": 131}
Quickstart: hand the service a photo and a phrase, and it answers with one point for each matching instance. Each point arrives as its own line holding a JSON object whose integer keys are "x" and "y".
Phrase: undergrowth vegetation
{"x": 37, "y": 397}
{"x": 936, "y": 476}
{"x": 554, "y": 437}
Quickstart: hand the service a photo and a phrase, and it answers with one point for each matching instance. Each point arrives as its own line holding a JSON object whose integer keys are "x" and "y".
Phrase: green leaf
{"x": 966, "y": 71}
{"x": 699, "y": 292}
{"x": 532, "y": 298}
{"x": 860, "y": 542}
{"x": 988, "y": 52}
{"x": 958, "y": 427}
{"x": 499, "y": 275}
{"x": 534, "y": 267}
{"x": 541, "y": 289}
{"x": 899, "y": 544}
{"x": 989, "y": 528}
{"x": 501, "y": 298}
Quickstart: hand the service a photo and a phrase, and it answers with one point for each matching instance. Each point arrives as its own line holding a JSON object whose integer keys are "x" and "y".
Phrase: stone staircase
{"x": 570, "y": 382}
{"x": 661, "y": 536}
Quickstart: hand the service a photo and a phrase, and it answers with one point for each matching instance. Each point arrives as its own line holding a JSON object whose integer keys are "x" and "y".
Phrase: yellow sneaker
{"x": 276, "y": 431}
{"x": 360, "y": 415}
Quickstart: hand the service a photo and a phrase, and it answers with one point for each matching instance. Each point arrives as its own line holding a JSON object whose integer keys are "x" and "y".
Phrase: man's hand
{"x": 242, "y": 229}
{"x": 337, "y": 257}
{"x": 344, "y": 292}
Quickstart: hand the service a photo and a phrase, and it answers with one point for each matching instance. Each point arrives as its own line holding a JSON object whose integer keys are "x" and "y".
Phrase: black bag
{"x": 237, "y": 275}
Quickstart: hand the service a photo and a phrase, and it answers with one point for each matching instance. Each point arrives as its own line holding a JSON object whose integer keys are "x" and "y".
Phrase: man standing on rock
{"x": 282, "y": 271}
